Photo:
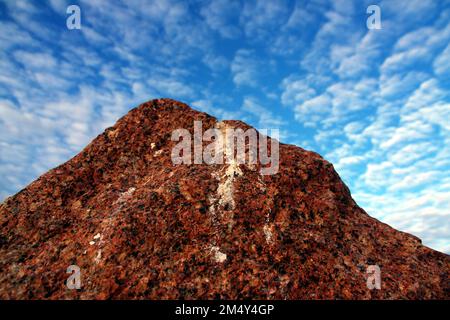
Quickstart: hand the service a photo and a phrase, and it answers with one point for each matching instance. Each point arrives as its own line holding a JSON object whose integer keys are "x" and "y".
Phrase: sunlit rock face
{"x": 139, "y": 226}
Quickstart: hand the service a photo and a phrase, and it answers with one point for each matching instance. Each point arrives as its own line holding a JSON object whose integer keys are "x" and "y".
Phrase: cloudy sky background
{"x": 376, "y": 103}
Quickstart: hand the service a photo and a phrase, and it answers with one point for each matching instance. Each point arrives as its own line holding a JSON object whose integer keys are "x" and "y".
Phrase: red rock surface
{"x": 165, "y": 234}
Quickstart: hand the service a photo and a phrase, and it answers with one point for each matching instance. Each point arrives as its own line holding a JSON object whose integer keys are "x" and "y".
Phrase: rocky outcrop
{"x": 139, "y": 226}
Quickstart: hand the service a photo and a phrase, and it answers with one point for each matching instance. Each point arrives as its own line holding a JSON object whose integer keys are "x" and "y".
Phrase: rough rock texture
{"x": 140, "y": 227}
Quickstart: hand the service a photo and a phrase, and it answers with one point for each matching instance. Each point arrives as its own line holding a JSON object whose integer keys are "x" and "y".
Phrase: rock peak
{"x": 139, "y": 226}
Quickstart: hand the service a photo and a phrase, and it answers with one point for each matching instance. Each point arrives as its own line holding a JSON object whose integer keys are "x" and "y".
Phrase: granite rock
{"x": 140, "y": 227}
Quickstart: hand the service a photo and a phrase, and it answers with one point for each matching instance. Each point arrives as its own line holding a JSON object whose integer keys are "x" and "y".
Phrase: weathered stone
{"x": 140, "y": 227}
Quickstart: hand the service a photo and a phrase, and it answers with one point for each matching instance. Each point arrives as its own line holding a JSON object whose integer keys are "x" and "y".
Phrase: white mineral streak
{"x": 226, "y": 181}
{"x": 96, "y": 237}
{"x": 98, "y": 258}
{"x": 225, "y": 188}
{"x": 218, "y": 256}
{"x": 224, "y": 197}
{"x": 126, "y": 195}
{"x": 268, "y": 233}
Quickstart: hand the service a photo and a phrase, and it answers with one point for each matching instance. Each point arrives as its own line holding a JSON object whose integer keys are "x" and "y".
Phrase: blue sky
{"x": 376, "y": 103}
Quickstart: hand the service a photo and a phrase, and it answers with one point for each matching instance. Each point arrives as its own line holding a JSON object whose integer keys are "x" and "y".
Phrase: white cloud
{"x": 412, "y": 181}
{"x": 296, "y": 91}
{"x": 414, "y": 39}
{"x": 409, "y": 131}
{"x": 220, "y": 16}
{"x": 245, "y": 68}
{"x": 266, "y": 119}
{"x": 13, "y": 36}
{"x": 171, "y": 87}
{"x": 216, "y": 111}
{"x": 351, "y": 96}
{"x": 35, "y": 60}
{"x": 356, "y": 58}
{"x": 442, "y": 63}
{"x": 353, "y": 128}
{"x": 312, "y": 111}
{"x": 427, "y": 94}
{"x": 59, "y": 6}
{"x": 408, "y": 12}
{"x": 215, "y": 62}
{"x": 412, "y": 152}
{"x": 260, "y": 17}
{"x": 402, "y": 60}
{"x": 396, "y": 85}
